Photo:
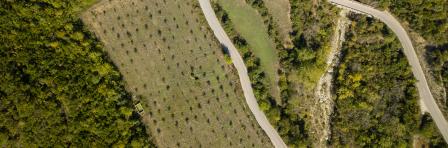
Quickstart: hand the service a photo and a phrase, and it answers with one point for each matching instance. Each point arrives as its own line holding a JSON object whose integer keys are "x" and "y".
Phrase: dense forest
{"x": 429, "y": 19}
{"x": 313, "y": 25}
{"x": 57, "y": 86}
{"x": 438, "y": 60}
{"x": 376, "y": 101}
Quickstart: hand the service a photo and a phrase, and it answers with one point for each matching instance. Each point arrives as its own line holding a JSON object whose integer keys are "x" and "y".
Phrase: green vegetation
{"x": 249, "y": 24}
{"x": 438, "y": 57}
{"x": 279, "y": 9}
{"x": 284, "y": 115}
{"x": 429, "y": 19}
{"x": 313, "y": 27}
{"x": 376, "y": 98}
{"x": 376, "y": 104}
{"x": 258, "y": 79}
{"x": 301, "y": 67}
{"x": 170, "y": 59}
{"x": 301, "y": 64}
{"x": 271, "y": 25}
{"x": 57, "y": 87}
{"x": 304, "y": 63}
{"x": 376, "y": 101}
{"x": 428, "y": 129}
{"x": 426, "y": 17}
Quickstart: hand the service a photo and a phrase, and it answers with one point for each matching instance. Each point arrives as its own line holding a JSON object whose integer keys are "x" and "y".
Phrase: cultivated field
{"x": 171, "y": 61}
{"x": 250, "y": 25}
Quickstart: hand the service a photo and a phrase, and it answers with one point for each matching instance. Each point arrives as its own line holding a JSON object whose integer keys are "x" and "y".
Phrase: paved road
{"x": 242, "y": 73}
{"x": 408, "y": 49}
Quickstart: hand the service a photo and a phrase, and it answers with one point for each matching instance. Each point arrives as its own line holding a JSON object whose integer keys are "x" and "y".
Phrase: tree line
{"x": 276, "y": 114}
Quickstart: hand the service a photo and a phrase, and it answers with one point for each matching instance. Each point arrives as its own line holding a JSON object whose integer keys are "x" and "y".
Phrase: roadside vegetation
{"x": 171, "y": 61}
{"x": 58, "y": 87}
{"x": 425, "y": 17}
{"x": 257, "y": 76}
{"x": 300, "y": 65}
{"x": 429, "y": 20}
{"x": 438, "y": 59}
{"x": 272, "y": 108}
{"x": 303, "y": 64}
{"x": 376, "y": 102}
{"x": 250, "y": 25}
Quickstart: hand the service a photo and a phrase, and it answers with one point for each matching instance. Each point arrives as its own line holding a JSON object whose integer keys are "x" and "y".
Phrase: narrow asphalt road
{"x": 242, "y": 73}
{"x": 408, "y": 49}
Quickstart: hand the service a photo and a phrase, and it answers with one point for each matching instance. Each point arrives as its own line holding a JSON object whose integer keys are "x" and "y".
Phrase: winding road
{"x": 408, "y": 49}
{"x": 422, "y": 85}
{"x": 242, "y": 73}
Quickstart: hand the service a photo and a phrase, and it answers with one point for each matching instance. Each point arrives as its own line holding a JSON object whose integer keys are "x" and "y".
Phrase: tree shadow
{"x": 225, "y": 49}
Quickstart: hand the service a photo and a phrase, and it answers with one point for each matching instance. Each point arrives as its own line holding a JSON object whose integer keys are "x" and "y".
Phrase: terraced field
{"x": 169, "y": 59}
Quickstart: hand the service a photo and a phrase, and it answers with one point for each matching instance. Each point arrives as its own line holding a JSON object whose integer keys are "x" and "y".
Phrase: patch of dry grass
{"x": 280, "y": 11}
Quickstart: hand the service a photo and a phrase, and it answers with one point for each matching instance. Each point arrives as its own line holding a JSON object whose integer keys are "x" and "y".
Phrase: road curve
{"x": 242, "y": 73}
{"x": 408, "y": 49}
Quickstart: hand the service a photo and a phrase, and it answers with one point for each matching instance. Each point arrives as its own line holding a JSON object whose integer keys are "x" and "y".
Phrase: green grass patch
{"x": 251, "y": 27}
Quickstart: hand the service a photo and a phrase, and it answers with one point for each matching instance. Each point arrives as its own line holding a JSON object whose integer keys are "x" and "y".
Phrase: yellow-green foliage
{"x": 228, "y": 59}
{"x": 376, "y": 101}
{"x": 57, "y": 88}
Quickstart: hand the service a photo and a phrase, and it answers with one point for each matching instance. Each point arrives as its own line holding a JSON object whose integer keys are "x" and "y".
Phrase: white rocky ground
{"x": 323, "y": 91}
